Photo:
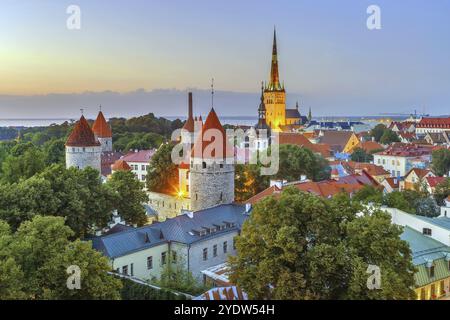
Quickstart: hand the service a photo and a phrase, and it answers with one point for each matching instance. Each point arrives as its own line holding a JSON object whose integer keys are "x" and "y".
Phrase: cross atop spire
{"x": 212, "y": 93}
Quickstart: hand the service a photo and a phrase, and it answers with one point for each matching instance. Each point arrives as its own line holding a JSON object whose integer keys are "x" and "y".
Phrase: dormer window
{"x": 431, "y": 271}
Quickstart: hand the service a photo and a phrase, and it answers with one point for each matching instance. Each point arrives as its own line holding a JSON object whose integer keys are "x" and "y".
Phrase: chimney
{"x": 190, "y": 105}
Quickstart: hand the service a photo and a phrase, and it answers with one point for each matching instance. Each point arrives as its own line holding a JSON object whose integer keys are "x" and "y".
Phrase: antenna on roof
{"x": 212, "y": 93}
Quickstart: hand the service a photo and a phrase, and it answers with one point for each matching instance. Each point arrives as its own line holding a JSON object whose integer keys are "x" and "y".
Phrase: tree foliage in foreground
{"x": 35, "y": 259}
{"x": 304, "y": 247}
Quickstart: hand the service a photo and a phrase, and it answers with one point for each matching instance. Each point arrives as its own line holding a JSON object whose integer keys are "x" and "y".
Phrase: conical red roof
{"x": 82, "y": 135}
{"x": 101, "y": 127}
{"x": 204, "y": 140}
{"x": 120, "y": 165}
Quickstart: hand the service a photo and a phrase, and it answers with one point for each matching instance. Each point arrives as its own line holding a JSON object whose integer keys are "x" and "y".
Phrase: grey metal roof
{"x": 179, "y": 229}
{"x": 423, "y": 248}
{"x": 292, "y": 113}
{"x": 442, "y": 222}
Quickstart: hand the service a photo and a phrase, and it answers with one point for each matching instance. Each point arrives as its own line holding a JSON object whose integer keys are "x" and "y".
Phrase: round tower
{"x": 82, "y": 148}
{"x": 212, "y": 167}
{"x": 103, "y": 132}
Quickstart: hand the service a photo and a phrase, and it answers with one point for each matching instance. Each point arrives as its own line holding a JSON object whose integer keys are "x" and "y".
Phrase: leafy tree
{"x": 442, "y": 191}
{"x": 162, "y": 175}
{"x": 440, "y": 161}
{"x": 360, "y": 155}
{"x": 397, "y": 199}
{"x": 389, "y": 137}
{"x": 378, "y": 131}
{"x": 304, "y": 247}
{"x": 135, "y": 291}
{"x": 82, "y": 198}
{"x": 296, "y": 161}
{"x": 176, "y": 277}
{"x": 55, "y": 152}
{"x": 130, "y": 197}
{"x": 23, "y": 162}
{"x": 42, "y": 252}
{"x": 369, "y": 194}
{"x": 249, "y": 181}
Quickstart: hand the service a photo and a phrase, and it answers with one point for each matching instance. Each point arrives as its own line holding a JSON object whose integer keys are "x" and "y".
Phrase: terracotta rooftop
{"x": 419, "y": 172}
{"x": 370, "y": 146}
{"x": 434, "y": 123}
{"x": 434, "y": 181}
{"x": 100, "y": 128}
{"x": 205, "y": 145}
{"x": 370, "y": 168}
{"x": 326, "y": 189}
{"x": 139, "y": 156}
{"x": 393, "y": 182}
{"x": 337, "y": 139}
{"x": 120, "y": 165}
{"x": 300, "y": 140}
{"x": 82, "y": 135}
{"x": 406, "y": 150}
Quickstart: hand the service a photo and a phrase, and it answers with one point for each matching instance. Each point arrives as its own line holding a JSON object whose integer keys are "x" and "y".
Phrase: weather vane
{"x": 212, "y": 92}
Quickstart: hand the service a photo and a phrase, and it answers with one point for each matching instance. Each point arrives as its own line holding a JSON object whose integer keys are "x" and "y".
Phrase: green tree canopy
{"x": 389, "y": 137}
{"x": 304, "y": 247}
{"x": 162, "y": 175}
{"x": 130, "y": 197}
{"x": 39, "y": 254}
{"x": 360, "y": 155}
{"x": 378, "y": 131}
{"x": 296, "y": 161}
{"x": 440, "y": 161}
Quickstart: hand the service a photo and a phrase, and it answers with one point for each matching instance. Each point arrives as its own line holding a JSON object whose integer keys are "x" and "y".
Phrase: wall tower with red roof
{"x": 102, "y": 132}
{"x": 82, "y": 148}
{"x": 211, "y": 166}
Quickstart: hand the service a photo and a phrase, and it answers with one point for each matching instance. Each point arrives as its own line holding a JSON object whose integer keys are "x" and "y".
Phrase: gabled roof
{"x": 434, "y": 123}
{"x": 419, "y": 172}
{"x": 370, "y": 146}
{"x": 393, "y": 182}
{"x": 336, "y": 138}
{"x": 434, "y": 181}
{"x": 205, "y": 146}
{"x": 300, "y": 140}
{"x": 120, "y": 165}
{"x": 139, "y": 156}
{"x": 82, "y": 135}
{"x": 100, "y": 128}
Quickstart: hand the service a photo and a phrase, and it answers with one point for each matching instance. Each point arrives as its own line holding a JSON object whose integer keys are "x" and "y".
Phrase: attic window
{"x": 426, "y": 231}
{"x": 431, "y": 271}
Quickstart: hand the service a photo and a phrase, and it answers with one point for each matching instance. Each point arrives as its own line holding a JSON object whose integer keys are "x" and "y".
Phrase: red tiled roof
{"x": 434, "y": 181}
{"x": 419, "y": 172}
{"x": 202, "y": 149}
{"x": 82, "y": 135}
{"x": 393, "y": 182}
{"x": 140, "y": 156}
{"x": 326, "y": 189}
{"x": 101, "y": 128}
{"x": 224, "y": 293}
{"x": 434, "y": 123}
{"x": 369, "y": 146}
{"x": 120, "y": 165}
{"x": 300, "y": 140}
{"x": 406, "y": 150}
{"x": 370, "y": 168}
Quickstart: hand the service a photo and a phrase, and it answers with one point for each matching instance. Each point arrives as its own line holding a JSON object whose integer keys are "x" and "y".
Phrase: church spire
{"x": 262, "y": 111}
{"x": 274, "y": 83}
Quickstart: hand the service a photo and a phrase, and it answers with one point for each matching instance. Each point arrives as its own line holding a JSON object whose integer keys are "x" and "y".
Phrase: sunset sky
{"x": 326, "y": 51}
